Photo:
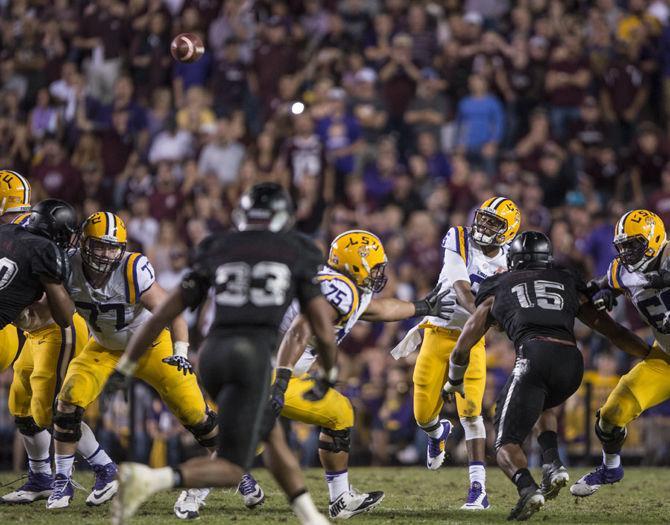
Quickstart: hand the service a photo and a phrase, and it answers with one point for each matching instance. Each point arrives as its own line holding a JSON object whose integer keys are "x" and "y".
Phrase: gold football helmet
{"x": 639, "y": 236}
{"x": 103, "y": 241}
{"x": 496, "y": 222}
{"x": 14, "y": 192}
{"x": 360, "y": 255}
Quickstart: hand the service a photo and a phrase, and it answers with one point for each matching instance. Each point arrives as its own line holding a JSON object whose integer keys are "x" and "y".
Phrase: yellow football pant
{"x": 333, "y": 412}
{"x": 9, "y": 346}
{"x": 88, "y": 373}
{"x": 647, "y": 384}
{"x": 41, "y": 367}
{"x": 432, "y": 371}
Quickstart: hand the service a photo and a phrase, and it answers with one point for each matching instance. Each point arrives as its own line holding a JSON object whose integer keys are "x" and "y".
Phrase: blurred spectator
{"x": 223, "y": 155}
{"x": 428, "y": 110}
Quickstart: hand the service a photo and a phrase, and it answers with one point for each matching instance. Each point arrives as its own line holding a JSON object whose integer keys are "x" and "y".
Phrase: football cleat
{"x": 105, "y": 486}
{"x": 529, "y": 503}
{"x": 436, "y": 447}
{"x": 63, "y": 492}
{"x": 136, "y": 485}
{"x": 351, "y": 503}
{"x": 477, "y": 498}
{"x": 189, "y": 503}
{"x": 591, "y": 482}
{"x": 37, "y": 487}
{"x": 554, "y": 477}
{"x": 251, "y": 491}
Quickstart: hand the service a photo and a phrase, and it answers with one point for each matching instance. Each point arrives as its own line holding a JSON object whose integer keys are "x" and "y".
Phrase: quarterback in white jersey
{"x": 641, "y": 272}
{"x": 354, "y": 273}
{"x": 115, "y": 291}
{"x": 470, "y": 256}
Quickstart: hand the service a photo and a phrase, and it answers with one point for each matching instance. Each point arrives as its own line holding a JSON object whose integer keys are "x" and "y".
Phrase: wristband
{"x": 421, "y": 308}
{"x": 456, "y": 372}
{"x": 180, "y": 349}
{"x": 282, "y": 377}
{"x": 126, "y": 366}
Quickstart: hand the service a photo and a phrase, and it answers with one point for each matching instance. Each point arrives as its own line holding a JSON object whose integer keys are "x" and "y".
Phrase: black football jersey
{"x": 255, "y": 275}
{"x": 534, "y": 303}
{"x": 26, "y": 259}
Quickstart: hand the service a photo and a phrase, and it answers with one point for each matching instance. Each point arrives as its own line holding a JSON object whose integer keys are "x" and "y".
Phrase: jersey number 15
{"x": 544, "y": 297}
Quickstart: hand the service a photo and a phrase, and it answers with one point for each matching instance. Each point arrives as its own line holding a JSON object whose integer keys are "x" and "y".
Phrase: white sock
{"x": 611, "y": 460}
{"x": 338, "y": 483}
{"x": 478, "y": 473}
{"x": 89, "y": 447}
{"x": 64, "y": 464}
{"x": 436, "y": 433}
{"x": 37, "y": 448}
{"x": 305, "y": 510}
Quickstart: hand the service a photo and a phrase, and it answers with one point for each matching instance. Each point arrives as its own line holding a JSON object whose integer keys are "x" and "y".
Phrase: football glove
{"x": 449, "y": 390}
{"x": 658, "y": 280}
{"x": 434, "y": 305}
{"x": 182, "y": 363}
{"x": 322, "y": 383}
{"x": 604, "y": 299}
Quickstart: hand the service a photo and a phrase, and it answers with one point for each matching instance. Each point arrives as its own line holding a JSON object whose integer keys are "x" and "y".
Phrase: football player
{"x": 470, "y": 256}
{"x": 536, "y": 304}
{"x": 256, "y": 272}
{"x": 38, "y": 373}
{"x": 14, "y": 202}
{"x": 354, "y": 272}
{"x": 641, "y": 272}
{"x": 115, "y": 291}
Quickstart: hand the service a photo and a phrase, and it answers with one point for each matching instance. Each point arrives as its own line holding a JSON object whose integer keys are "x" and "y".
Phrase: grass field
{"x": 413, "y": 495}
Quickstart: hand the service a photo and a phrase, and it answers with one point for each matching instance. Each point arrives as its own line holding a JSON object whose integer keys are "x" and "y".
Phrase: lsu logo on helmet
{"x": 496, "y": 222}
{"x": 103, "y": 241}
{"x": 639, "y": 236}
{"x": 15, "y": 192}
{"x": 360, "y": 255}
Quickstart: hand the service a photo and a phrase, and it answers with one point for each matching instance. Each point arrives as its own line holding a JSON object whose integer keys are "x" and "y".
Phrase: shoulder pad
{"x": 138, "y": 275}
{"x": 457, "y": 240}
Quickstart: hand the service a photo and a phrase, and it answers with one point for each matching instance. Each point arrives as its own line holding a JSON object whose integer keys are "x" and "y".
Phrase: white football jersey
{"x": 114, "y": 311}
{"x": 465, "y": 260}
{"x": 343, "y": 295}
{"x": 652, "y": 304}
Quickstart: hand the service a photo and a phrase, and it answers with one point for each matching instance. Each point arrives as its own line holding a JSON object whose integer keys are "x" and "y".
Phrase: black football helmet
{"x": 266, "y": 206}
{"x": 530, "y": 250}
{"x": 54, "y": 219}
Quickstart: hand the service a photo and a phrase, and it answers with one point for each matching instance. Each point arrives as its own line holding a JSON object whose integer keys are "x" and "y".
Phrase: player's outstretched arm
{"x": 60, "y": 303}
{"x": 390, "y": 309}
{"x": 619, "y": 335}
{"x": 319, "y": 313}
{"x": 151, "y": 299}
{"x": 474, "y": 329}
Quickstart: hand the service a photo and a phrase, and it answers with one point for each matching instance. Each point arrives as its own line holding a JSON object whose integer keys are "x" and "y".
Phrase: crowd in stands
{"x": 395, "y": 116}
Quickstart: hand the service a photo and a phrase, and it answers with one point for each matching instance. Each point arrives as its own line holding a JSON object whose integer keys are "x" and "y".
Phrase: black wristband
{"x": 282, "y": 377}
{"x": 421, "y": 308}
{"x": 456, "y": 382}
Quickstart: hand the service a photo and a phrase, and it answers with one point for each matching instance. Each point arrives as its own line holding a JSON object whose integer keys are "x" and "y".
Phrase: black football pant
{"x": 235, "y": 369}
{"x": 545, "y": 375}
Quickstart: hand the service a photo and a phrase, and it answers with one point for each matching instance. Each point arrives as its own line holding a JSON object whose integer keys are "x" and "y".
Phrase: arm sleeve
{"x": 307, "y": 285}
{"x": 195, "y": 284}
{"x": 486, "y": 289}
{"x": 145, "y": 274}
{"x": 51, "y": 262}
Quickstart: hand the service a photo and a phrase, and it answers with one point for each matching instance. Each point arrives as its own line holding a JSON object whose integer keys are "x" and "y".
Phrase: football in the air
{"x": 187, "y": 47}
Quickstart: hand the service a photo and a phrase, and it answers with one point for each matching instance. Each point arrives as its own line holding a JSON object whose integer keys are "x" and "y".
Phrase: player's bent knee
{"x": 473, "y": 427}
{"x": 341, "y": 440}
{"x": 67, "y": 425}
{"x": 27, "y": 426}
{"x": 43, "y": 417}
{"x": 206, "y": 432}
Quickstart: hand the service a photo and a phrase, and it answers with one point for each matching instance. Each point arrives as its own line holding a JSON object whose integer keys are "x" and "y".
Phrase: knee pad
{"x": 613, "y": 440}
{"x": 27, "y": 426}
{"x": 473, "y": 427}
{"x": 341, "y": 440}
{"x": 70, "y": 425}
{"x": 206, "y": 432}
